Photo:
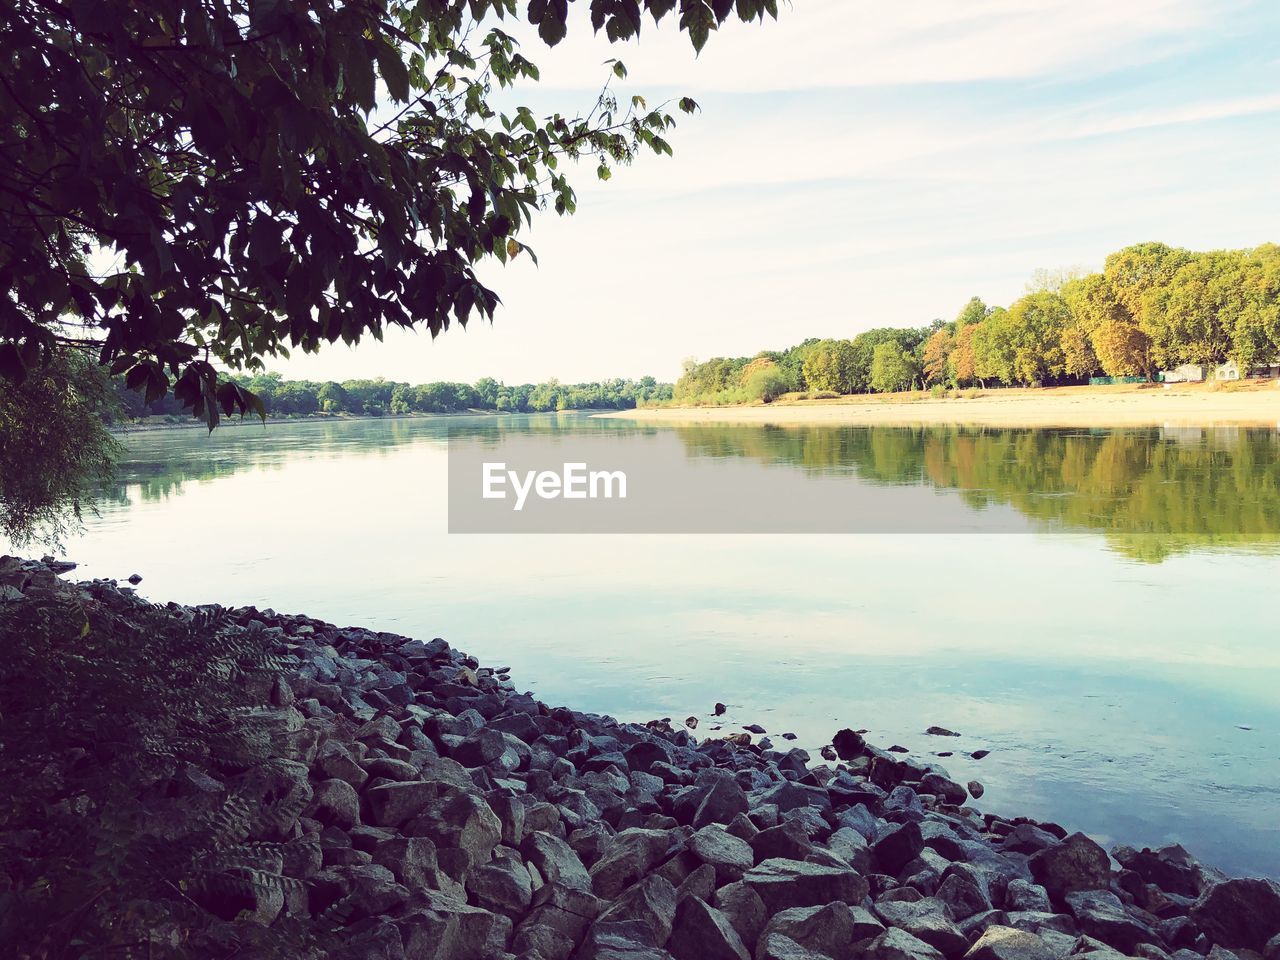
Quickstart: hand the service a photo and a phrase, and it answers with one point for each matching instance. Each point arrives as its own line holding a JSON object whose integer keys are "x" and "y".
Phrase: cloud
{"x": 849, "y": 43}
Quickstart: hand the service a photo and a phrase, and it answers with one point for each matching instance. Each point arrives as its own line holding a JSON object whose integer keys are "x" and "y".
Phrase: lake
{"x": 1118, "y": 656}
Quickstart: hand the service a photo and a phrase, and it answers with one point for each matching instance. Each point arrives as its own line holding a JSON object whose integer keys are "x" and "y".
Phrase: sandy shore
{"x": 1123, "y": 406}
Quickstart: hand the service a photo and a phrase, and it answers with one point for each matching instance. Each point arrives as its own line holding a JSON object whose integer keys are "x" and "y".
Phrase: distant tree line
{"x": 380, "y": 397}
{"x": 1152, "y": 308}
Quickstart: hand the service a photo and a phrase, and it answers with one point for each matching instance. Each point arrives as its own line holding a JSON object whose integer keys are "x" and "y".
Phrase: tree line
{"x": 1152, "y": 307}
{"x": 381, "y": 397}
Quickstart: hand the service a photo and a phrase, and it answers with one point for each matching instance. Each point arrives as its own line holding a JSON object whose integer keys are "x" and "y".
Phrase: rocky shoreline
{"x": 441, "y": 813}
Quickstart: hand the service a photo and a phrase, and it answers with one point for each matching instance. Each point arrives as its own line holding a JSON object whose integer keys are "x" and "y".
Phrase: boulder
{"x": 897, "y": 846}
{"x": 898, "y": 945}
{"x": 1101, "y": 914}
{"x": 782, "y": 884}
{"x": 1076, "y": 863}
{"x": 651, "y": 901}
{"x": 744, "y": 909}
{"x": 723, "y": 801}
{"x": 501, "y": 886}
{"x": 556, "y": 861}
{"x": 813, "y": 932}
{"x": 729, "y": 856}
{"x": 701, "y": 932}
{"x": 1239, "y": 913}
{"x": 1006, "y": 943}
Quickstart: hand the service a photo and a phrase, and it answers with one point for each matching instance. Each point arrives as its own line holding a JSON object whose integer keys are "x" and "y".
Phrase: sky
{"x": 860, "y": 164}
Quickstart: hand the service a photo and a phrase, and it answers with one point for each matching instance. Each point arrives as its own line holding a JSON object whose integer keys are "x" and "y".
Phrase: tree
{"x": 192, "y": 182}
{"x": 1035, "y": 324}
{"x": 55, "y": 449}
{"x": 829, "y": 365}
{"x": 935, "y": 355}
{"x": 332, "y": 398}
{"x": 962, "y": 362}
{"x": 892, "y": 368}
{"x": 1119, "y": 344}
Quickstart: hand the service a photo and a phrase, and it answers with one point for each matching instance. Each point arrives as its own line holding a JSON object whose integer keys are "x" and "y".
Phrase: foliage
{"x": 188, "y": 183}
{"x": 830, "y": 365}
{"x": 892, "y": 368}
{"x": 111, "y": 717}
{"x": 55, "y": 448}
{"x": 292, "y": 398}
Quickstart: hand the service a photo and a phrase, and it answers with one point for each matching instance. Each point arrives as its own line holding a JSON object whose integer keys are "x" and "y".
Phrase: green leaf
{"x": 394, "y": 72}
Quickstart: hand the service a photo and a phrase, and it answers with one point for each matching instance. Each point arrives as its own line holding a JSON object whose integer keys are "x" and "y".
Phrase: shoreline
{"x": 195, "y": 424}
{"x": 460, "y": 818}
{"x": 1255, "y": 404}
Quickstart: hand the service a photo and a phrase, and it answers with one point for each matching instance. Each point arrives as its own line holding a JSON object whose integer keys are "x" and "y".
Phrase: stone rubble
{"x": 453, "y": 817}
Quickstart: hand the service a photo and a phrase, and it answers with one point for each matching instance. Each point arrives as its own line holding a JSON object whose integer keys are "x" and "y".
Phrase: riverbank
{"x": 416, "y": 804}
{"x": 191, "y": 423}
{"x": 1246, "y": 404}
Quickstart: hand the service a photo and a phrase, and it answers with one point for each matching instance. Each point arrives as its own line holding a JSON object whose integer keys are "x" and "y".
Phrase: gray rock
{"x": 1077, "y": 863}
{"x": 334, "y": 803}
{"x": 1240, "y": 913}
{"x": 556, "y": 861}
{"x": 393, "y": 804}
{"x": 628, "y": 857}
{"x": 744, "y": 908}
{"x": 782, "y": 884}
{"x": 460, "y": 820}
{"x": 701, "y": 932}
{"x": 1024, "y": 895}
{"x": 803, "y": 933}
{"x": 897, "y": 846}
{"x": 448, "y": 929}
{"x": 701, "y": 883}
{"x": 1101, "y": 914}
{"x": 336, "y": 762}
{"x": 652, "y": 901}
{"x": 851, "y": 847}
{"x": 501, "y": 886}
{"x": 620, "y": 940}
{"x": 962, "y": 896}
{"x": 729, "y": 856}
{"x": 898, "y": 945}
{"x": 976, "y": 789}
{"x": 1006, "y": 943}
{"x": 721, "y": 803}
{"x": 788, "y": 840}
{"x": 412, "y": 861}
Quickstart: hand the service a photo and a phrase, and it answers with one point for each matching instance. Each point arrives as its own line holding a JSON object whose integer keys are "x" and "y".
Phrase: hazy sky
{"x": 862, "y": 164}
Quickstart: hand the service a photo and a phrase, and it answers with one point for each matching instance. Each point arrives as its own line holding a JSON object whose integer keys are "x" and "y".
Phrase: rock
{"x": 334, "y": 803}
{"x": 1077, "y": 863}
{"x": 721, "y": 803}
{"x": 651, "y": 901}
{"x": 620, "y": 940}
{"x": 898, "y": 945}
{"x": 979, "y": 754}
{"x": 627, "y": 857}
{"x": 701, "y": 932}
{"x": 1170, "y": 868}
{"x": 135, "y": 578}
{"x": 848, "y": 744}
{"x": 782, "y": 884}
{"x": 1272, "y": 949}
{"x": 976, "y": 789}
{"x": 1006, "y": 943}
{"x": 720, "y": 709}
{"x": 941, "y": 732}
{"x": 1024, "y": 895}
{"x": 754, "y": 728}
{"x": 462, "y": 821}
{"x": 729, "y": 856}
{"x": 691, "y": 723}
{"x": 501, "y": 886}
{"x": 962, "y": 896}
{"x": 393, "y": 804}
{"x": 814, "y": 932}
{"x": 412, "y": 861}
{"x": 1101, "y": 914}
{"x": 787, "y": 840}
{"x": 701, "y": 883}
{"x": 448, "y": 929}
{"x": 1239, "y": 913}
{"x": 898, "y": 846}
{"x": 744, "y": 908}
{"x": 556, "y": 861}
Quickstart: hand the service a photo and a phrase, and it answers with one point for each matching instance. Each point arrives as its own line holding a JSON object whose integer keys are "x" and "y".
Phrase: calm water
{"x": 1120, "y": 660}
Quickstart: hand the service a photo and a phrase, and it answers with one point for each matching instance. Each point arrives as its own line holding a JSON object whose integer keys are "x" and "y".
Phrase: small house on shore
{"x": 1198, "y": 373}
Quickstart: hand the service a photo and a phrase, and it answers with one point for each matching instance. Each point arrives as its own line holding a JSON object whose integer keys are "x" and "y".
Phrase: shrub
{"x": 114, "y": 838}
